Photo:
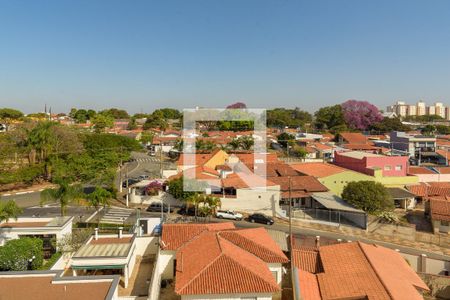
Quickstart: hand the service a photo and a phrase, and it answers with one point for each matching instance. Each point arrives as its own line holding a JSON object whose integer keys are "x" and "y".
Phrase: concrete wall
{"x": 277, "y": 268}
{"x": 251, "y": 201}
{"x": 166, "y": 261}
{"x": 398, "y": 231}
{"x": 227, "y": 297}
{"x": 147, "y": 245}
{"x": 433, "y": 177}
{"x": 155, "y": 282}
{"x": 336, "y": 183}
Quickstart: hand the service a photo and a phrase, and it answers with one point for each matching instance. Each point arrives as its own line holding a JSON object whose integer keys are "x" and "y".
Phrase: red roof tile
{"x": 419, "y": 170}
{"x": 440, "y": 209}
{"x": 353, "y": 137}
{"x": 307, "y": 259}
{"x": 309, "y": 287}
{"x": 318, "y": 170}
{"x": 300, "y": 183}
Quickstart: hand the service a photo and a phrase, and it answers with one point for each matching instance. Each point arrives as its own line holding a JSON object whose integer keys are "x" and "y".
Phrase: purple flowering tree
{"x": 237, "y": 105}
{"x": 153, "y": 187}
{"x": 360, "y": 114}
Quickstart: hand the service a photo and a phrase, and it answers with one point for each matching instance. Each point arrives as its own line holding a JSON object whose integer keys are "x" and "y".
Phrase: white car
{"x": 228, "y": 214}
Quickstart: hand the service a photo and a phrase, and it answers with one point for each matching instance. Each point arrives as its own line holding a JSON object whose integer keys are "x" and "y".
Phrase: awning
{"x": 331, "y": 201}
{"x": 99, "y": 267}
{"x": 399, "y": 193}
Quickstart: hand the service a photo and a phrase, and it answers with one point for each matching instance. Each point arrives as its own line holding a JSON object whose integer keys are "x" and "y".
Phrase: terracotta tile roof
{"x": 347, "y": 273}
{"x": 440, "y": 209}
{"x": 309, "y": 287}
{"x": 443, "y": 170}
{"x": 398, "y": 278}
{"x": 353, "y": 137}
{"x": 258, "y": 242}
{"x": 200, "y": 158}
{"x": 318, "y": 170}
{"x": 307, "y": 259}
{"x": 360, "y": 147}
{"x": 248, "y": 158}
{"x": 443, "y": 153}
{"x": 294, "y": 194}
{"x": 420, "y": 170}
{"x": 243, "y": 180}
{"x": 280, "y": 169}
{"x": 220, "y": 263}
{"x": 321, "y": 147}
{"x": 176, "y": 235}
{"x": 300, "y": 183}
{"x": 199, "y": 172}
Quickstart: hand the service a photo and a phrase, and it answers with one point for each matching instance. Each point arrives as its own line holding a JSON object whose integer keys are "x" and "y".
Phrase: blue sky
{"x": 142, "y": 55}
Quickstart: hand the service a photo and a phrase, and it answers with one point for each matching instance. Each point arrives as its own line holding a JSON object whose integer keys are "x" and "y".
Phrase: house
{"x": 47, "y": 229}
{"x": 353, "y": 270}
{"x": 430, "y": 174}
{"x": 106, "y": 252}
{"x": 218, "y": 261}
{"x": 420, "y": 148}
{"x": 402, "y": 198}
{"x": 370, "y": 163}
{"x": 351, "y": 138}
{"x": 52, "y": 285}
{"x": 209, "y": 160}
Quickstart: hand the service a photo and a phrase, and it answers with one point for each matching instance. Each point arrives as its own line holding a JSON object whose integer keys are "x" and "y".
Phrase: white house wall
{"x": 251, "y": 201}
{"x": 166, "y": 264}
{"x": 276, "y": 268}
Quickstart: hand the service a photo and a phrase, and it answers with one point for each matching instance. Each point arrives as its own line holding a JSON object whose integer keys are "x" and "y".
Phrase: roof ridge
{"x": 374, "y": 269}
{"x": 263, "y": 246}
{"x": 243, "y": 265}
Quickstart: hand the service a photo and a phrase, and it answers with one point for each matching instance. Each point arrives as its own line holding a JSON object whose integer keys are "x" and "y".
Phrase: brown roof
{"x": 440, "y": 209}
{"x": 318, "y": 170}
{"x": 354, "y": 137}
{"x": 42, "y": 287}
{"x": 300, "y": 183}
{"x": 419, "y": 170}
{"x": 200, "y": 158}
{"x": 443, "y": 170}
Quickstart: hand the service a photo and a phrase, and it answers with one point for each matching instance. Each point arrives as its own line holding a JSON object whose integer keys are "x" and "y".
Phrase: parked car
{"x": 131, "y": 181}
{"x": 260, "y": 218}
{"x": 156, "y": 207}
{"x": 228, "y": 214}
{"x": 143, "y": 176}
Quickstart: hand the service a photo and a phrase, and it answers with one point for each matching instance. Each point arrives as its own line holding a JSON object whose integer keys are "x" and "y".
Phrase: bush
{"x": 15, "y": 255}
{"x": 370, "y": 196}
{"x": 51, "y": 261}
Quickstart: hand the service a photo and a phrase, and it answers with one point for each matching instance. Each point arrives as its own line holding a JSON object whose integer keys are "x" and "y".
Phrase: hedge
{"x": 51, "y": 261}
{"x": 15, "y": 255}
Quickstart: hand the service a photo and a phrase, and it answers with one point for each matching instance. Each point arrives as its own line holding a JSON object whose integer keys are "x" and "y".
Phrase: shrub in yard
{"x": 51, "y": 261}
{"x": 15, "y": 255}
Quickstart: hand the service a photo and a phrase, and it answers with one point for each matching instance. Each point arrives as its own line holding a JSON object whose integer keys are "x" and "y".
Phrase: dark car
{"x": 260, "y": 218}
{"x": 156, "y": 207}
{"x": 131, "y": 181}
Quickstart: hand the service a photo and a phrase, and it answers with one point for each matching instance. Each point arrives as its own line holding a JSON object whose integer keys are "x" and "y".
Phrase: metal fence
{"x": 332, "y": 216}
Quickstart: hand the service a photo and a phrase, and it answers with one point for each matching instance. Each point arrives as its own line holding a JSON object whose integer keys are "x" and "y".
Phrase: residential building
{"x": 52, "y": 285}
{"x": 218, "y": 261}
{"x": 439, "y": 212}
{"x": 402, "y": 109}
{"x": 421, "y": 148}
{"x": 106, "y": 252}
{"x": 353, "y": 270}
{"x": 421, "y": 108}
{"x": 369, "y": 163}
{"x": 47, "y": 229}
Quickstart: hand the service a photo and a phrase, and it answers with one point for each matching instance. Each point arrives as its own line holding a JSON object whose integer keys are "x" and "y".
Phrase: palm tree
{"x": 235, "y": 144}
{"x": 247, "y": 142}
{"x": 213, "y": 203}
{"x": 195, "y": 200}
{"x": 9, "y": 210}
{"x": 99, "y": 197}
{"x": 64, "y": 194}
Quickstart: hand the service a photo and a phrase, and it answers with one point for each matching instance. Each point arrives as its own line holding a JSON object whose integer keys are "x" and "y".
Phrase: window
{"x": 398, "y": 167}
{"x": 387, "y": 168}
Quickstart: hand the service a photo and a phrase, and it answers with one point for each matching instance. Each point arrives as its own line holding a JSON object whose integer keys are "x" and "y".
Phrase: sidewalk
{"x": 28, "y": 190}
{"x": 372, "y": 236}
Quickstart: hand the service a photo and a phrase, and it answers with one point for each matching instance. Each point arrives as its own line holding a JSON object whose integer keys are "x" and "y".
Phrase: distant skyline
{"x": 143, "y": 55}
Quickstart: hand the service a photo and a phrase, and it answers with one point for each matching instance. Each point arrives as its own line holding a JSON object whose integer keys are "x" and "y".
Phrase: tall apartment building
{"x": 401, "y": 109}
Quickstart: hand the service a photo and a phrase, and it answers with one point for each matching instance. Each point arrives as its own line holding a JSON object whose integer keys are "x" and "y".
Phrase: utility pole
{"x": 160, "y": 161}
{"x": 290, "y": 210}
{"x": 120, "y": 171}
{"x": 126, "y": 179}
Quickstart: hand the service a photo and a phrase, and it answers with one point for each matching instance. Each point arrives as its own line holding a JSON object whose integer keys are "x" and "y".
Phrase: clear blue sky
{"x": 150, "y": 54}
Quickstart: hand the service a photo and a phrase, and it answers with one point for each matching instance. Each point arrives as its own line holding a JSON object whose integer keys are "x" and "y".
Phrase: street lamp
{"x": 30, "y": 262}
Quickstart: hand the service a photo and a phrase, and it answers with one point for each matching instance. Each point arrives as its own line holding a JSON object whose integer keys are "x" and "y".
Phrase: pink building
{"x": 367, "y": 163}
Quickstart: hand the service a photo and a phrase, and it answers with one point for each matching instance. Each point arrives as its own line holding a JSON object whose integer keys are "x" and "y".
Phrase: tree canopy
{"x": 282, "y": 117}
{"x": 360, "y": 114}
{"x": 370, "y": 196}
{"x": 329, "y": 117}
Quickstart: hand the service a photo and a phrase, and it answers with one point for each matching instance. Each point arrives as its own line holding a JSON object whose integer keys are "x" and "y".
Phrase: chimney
{"x": 423, "y": 263}
{"x": 317, "y": 241}
{"x": 120, "y": 232}
{"x": 96, "y": 233}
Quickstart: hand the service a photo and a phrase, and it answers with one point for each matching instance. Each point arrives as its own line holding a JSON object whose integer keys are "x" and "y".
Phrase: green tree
{"x": 389, "y": 124}
{"x": 132, "y": 124}
{"x": 64, "y": 194}
{"x": 21, "y": 254}
{"x": 102, "y": 121}
{"x": 370, "y": 196}
{"x": 428, "y": 130}
{"x": 8, "y": 210}
{"x": 7, "y": 115}
{"x": 284, "y": 138}
{"x": 99, "y": 197}
{"x": 443, "y": 129}
{"x": 147, "y": 137}
{"x": 329, "y": 117}
{"x": 299, "y": 152}
{"x": 115, "y": 113}
{"x": 282, "y": 117}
